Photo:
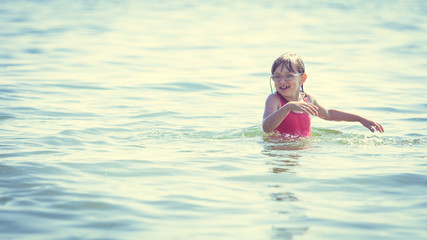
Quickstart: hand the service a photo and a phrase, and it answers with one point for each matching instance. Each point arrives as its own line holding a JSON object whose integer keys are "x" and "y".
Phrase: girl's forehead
{"x": 283, "y": 68}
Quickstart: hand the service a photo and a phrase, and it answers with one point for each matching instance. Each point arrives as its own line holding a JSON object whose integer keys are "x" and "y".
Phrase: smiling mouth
{"x": 284, "y": 87}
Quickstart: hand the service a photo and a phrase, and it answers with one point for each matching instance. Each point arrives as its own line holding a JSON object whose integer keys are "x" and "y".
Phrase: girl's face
{"x": 288, "y": 83}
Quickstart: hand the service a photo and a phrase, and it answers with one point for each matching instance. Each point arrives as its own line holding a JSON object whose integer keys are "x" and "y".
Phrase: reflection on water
{"x": 284, "y": 166}
{"x": 284, "y": 196}
{"x": 284, "y": 158}
{"x": 286, "y": 146}
{"x": 288, "y": 233}
{"x": 282, "y": 162}
{"x": 291, "y": 215}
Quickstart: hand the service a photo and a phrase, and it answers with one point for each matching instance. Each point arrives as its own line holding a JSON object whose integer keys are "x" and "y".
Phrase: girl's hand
{"x": 371, "y": 125}
{"x": 307, "y": 108}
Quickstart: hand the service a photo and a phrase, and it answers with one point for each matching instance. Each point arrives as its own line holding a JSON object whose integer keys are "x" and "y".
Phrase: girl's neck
{"x": 298, "y": 97}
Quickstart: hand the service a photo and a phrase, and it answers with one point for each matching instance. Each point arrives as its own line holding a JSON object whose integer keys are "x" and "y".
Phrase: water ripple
{"x": 122, "y": 119}
{"x": 399, "y": 26}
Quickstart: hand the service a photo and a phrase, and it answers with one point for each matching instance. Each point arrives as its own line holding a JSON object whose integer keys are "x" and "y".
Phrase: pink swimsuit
{"x": 296, "y": 124}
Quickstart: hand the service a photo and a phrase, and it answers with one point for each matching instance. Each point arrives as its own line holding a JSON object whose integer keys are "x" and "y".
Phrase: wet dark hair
{"x": 292, "y": 62}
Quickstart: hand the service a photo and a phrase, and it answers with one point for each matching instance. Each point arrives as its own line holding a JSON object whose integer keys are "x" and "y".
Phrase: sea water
{"x": 142, "y": 120}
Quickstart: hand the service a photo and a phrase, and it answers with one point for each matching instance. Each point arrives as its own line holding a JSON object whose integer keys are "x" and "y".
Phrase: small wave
{"x": 5, "y": 117}
{"x": 390, "y": 109}
{"x": 26, "y": 153}
{"x": 181, "y": 86}
{"x": 249, "y": 132}
{"x": 156, "y": 114}
{"x": 188, "y": 86}
{"x": 399, "y": 179}
{"x": 82, "y": 86}
{"x": 332, "y": 136}
{"x": 416, "y": 119}
{"x": 318, "y": 136}
{"x": 398, "y": 26}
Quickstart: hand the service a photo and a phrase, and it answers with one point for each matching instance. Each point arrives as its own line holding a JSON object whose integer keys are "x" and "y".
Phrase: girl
{"x": 288, "y": 110}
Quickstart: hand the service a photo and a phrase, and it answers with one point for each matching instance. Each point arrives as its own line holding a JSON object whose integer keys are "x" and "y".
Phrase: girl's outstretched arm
{"x": 337, "y": 115}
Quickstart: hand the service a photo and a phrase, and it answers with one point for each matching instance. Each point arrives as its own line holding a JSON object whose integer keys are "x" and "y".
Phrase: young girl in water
{"x": 288, "y": 110}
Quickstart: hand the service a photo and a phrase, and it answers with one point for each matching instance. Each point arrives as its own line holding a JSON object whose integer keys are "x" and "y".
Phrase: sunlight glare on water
{"x": 142, "y": 120}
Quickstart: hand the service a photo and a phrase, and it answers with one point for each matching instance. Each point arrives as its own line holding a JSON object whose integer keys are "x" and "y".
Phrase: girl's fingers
{"x": 313, "y": 109}
{"x": 379, "y": 128}
{"x": 309, "y": 109}
{"x": 376, "y": 126}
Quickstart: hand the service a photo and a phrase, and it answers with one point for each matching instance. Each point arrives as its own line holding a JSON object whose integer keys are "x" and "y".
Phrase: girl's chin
{"x": 287, "y": 92}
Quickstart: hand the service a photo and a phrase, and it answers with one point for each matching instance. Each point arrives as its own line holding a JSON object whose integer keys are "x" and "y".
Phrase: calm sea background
{"x": 142, "y": 120}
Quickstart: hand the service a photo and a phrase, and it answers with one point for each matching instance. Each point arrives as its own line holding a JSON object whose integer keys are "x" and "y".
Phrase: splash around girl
{"x": 288, "y": 110}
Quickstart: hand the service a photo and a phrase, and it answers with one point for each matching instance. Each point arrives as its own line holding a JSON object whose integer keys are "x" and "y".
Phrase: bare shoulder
{"x": 311, "y": 99}
{"x": 272, "y": 104}
{"x": 273, "y": 96}
{"x": 322, "y": 111}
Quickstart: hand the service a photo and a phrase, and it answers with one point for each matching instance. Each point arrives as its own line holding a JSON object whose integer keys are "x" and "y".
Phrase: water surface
{"x": 142, "y": 120}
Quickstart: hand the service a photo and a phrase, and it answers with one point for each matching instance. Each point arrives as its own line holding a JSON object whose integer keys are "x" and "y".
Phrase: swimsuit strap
{"x": 284, "y": 99}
